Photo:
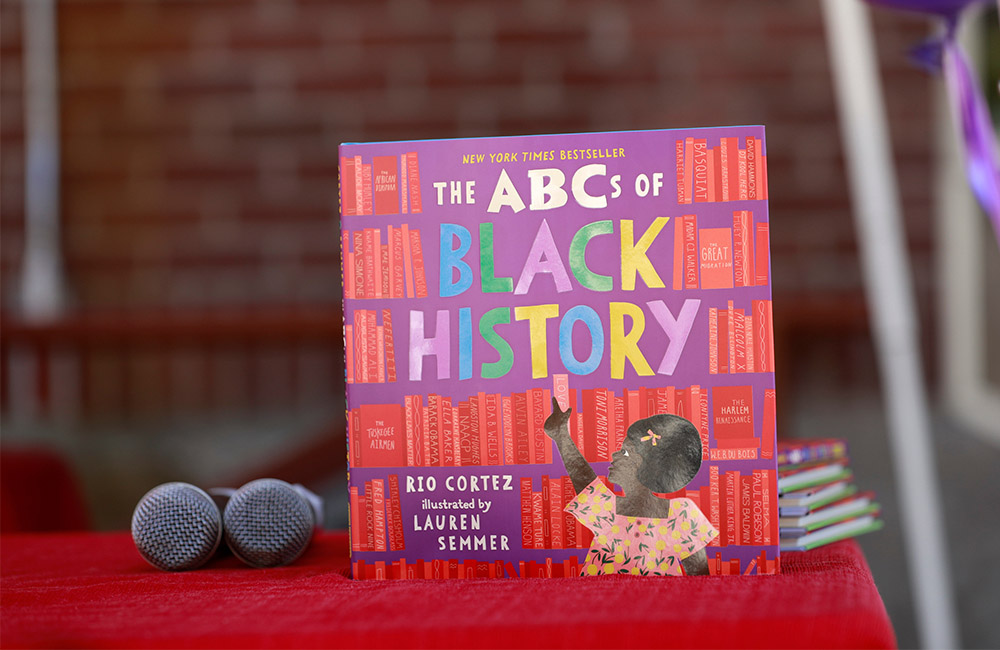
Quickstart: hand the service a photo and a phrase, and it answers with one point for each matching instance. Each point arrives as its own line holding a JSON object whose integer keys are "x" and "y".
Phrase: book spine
{"x": 434, "y": 430}
{"x": 349, "y": 353}
{"x": 407, "y": 259}
{"x": 739, "y": 327}
{"x": 546, "y": 513}
{"x": 413, "y": 172}
{"x": 536, "y": 418}
{"x": 355, "y": 519}
{"x": 419, "y": 280}
{"x": 493, "y": 435}
{"x": 366, "y": 188}
{"x": 520, "y": 402}
{"x": 348, "y": 202}
{"x": 360, "y": 284}
{"x": 713, "y": 340}
{"x": 717, "y": 172}
{"x": 556, "y": 513}
{"x": 679, "y": 167}
{"x": 724, "y": 186}
{"x": 743, "y": 174}
{"x": 538, "y": 534}
{"x": 723, "y": 341}
{"x": 751, "y": 145}
{"x": 601, "y": 421}
{"x": 404, "y": 191}
{"x": 688, "y": 169}
{"x": 396, "y": 542}
{"x": 749, "y": 269}
{"x": 748, "y": 341}
{"x": 700, "y": 170}
{"x": 731, "y": 333}
{"x": 678, "y": 254}
{"x": 390, "y": 346}
{"x": 763, "y": 335}
{"x": 690, "y": 251}
{"x": 527, "y": 531}
{"x": 762, "y": 255}
{"x": 380, "y": 354}
{"x": 509, "y": 447}
{"x": 746, "y": 509}
{"x": 569, "y": 521}
{"x": 768, "y": 429}
{"x": 378, "y": 262}
{"x": 714, "y": 496}
{"x": 739, "y": 254}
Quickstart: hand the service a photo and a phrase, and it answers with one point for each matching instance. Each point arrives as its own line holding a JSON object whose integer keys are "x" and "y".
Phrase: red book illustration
{"x": 688, "y": 170}
{"x": 700, "y": 170}
{"x": 734, "y": 525}
{"x": 739, "y": 327}
{"x": 724, "y": 176}
{"x": 360, "y": 280}
{"x": 768, "y": 430}
{"x": 601, "y": 424}
{"x": 733, "y": 167}
{"x": 723, "y": 341}
{"x": 527, "y": 530}
{"x": 407, "y": 259}
{"x": 509, "y": 447}
{"x": 434, "y": 430}
{"x": 748, "y": 338}
{"x": 742, "y": 154}
{"x": 690, "y": 251}
{"x": 589, "y": 410}
{"x": 366, "y": 501}
{"x": 714, "y": 512}
{"x": 404, "y": 193}
{"x": 732, "y": 412}
{"x": 546, "y": 513}
{"x": 717, "y": 172}
{"x": 493, "y": 436}
{"x": 538, "y": 534}
{"x": 711, "y": 162}
{"x": 378, "y": 271}
{"x": 366, "y": 188}
{"x": 413, "y": 180}
{"x": 569, "y": 521}
{"x": 524, "y": 448}
{"x": 419, "y": 281}
{"x": 763, "y": 335}
{"x": 560, "y": 390}
{"x": 762, "y": 175}
{"x": 466, "y": 435}
{"x": 761, "y": 517}
{"x": 679, "y": 167}
{"x": 763, "y": 255}
{"x": 771, "y": 496}
{"x": 355, "y": 520}
{"x": 396, "y": 541}
{"x": 347, "y": 267}
{"x": 557, "y": 524}
{"x": 390, "y": 346}
{"x": 751, "y": 146}
{"x": 380, "y": 353}
{"x": 746, "y": 510}
{"x": 739, "y": 275}
{"x": 411, "y": 436}
{"x": 537, "y": 408}
{"x": 398, "y": 264}
{"x": 716, "y": 258}
{"x": 385, "y": 270}
{"x": 349, "y": 353}
{"x": 482, "y": 452}
{"x": 382, "y": 436}
{"x": 678, "y": 254}
{"x": 749, "y": 268}
{"x": 372, "y": 280}
{"x": 449, "y": 441}
{"x": 731, "y": 332}
{"x": 348, "y": 202}
{"x": 372, "y": 341}
{"x": 355, "y": 427}
{"x": 748, "y": 450}
{"x": 713, "y": 340}
{"x": 386, "y": 180}
{"x": 378, "y": 513}
{"x": 476, "y": 418}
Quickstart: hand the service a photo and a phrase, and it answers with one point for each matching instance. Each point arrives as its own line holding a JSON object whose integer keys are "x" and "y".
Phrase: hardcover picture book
{"x": 559, "y": 355}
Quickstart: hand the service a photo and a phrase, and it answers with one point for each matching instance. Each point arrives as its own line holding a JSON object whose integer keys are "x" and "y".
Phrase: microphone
{"x": 270, "y": 523}
{"x": 176, "y": 527}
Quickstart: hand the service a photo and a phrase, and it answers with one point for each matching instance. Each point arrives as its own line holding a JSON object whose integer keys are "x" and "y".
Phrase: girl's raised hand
{"x": 557, "y": 421}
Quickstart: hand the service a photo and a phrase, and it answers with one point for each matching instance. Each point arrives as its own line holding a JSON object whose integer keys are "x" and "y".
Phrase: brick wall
{"x": 200, "y": 137}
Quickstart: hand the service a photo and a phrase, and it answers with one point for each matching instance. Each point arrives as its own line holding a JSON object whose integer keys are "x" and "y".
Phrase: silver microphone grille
{"x": 268, "y": 523}
{"x": 176, "y": 526}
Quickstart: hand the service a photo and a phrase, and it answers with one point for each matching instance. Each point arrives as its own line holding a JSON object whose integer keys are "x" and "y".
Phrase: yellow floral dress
{"x": 638, "y": 545}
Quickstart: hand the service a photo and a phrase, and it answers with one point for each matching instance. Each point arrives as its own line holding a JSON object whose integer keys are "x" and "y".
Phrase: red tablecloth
{"x": 93, "y": 590}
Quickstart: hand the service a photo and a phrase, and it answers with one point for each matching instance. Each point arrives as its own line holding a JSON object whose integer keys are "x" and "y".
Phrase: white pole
{"x": 884, "y": 259}
{"x": 41, "y": 275}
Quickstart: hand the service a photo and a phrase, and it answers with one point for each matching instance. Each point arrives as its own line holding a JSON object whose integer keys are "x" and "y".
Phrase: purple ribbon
{"x": 982, "y": 162}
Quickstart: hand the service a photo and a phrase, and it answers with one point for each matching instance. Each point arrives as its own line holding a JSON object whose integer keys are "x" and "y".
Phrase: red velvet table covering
{"x": 93, "y": 590}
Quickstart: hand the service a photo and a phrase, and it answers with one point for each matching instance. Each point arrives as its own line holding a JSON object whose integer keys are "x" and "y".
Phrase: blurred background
{"x": 193, "y": 327}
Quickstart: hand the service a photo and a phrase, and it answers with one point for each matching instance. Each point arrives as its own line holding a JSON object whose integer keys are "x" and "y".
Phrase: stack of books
{"x": 818, "y": 502}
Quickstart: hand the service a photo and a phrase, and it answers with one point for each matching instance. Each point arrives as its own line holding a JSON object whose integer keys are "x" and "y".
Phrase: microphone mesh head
{"x": 176, "y": 526}
{"x": 268, "y": 523}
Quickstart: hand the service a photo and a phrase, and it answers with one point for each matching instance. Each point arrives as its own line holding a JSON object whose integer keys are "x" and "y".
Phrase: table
{"x": 93, "y": 590}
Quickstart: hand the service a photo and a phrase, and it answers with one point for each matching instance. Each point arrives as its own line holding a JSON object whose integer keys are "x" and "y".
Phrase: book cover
{"x": 513, "y": 301}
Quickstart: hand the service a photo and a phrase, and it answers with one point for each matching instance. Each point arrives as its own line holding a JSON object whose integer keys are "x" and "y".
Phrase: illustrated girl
{"x": 639, "y": 533}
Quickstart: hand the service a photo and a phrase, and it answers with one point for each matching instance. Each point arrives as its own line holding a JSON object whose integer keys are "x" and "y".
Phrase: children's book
{"x": 848, "y": 508}
{"x": 798, "y": 452}
{"x": 834, "y": 533}
{"x": 540, "y": 330}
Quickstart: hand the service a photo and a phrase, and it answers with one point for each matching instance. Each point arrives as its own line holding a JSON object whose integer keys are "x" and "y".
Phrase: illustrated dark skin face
{"x": 624, "y": 468}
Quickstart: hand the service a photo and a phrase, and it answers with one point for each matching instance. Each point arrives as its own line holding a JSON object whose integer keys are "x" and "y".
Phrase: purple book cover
{"x": 559, "y": 356}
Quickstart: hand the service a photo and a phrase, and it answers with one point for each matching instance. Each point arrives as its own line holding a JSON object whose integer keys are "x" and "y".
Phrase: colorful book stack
{"x": 818, "y": 502}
